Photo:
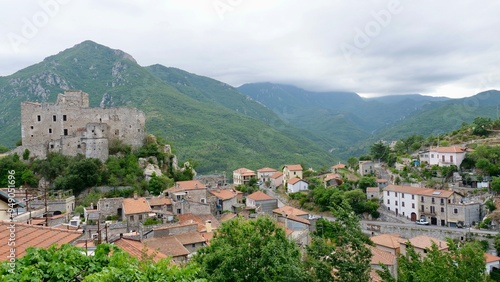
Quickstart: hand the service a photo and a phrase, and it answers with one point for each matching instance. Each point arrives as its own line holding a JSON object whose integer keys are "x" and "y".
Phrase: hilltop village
{"x": 179, "y": 212}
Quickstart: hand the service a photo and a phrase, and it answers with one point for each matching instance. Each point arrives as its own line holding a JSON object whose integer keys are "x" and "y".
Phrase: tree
{"x": 352, "y": 162}
{"x": 339, "y": 247}
{"x": 464, "y": 263}
{"x": 157, "y": 184}
{"x": 26, "y": 154}
{"x": 366, "y": 181}
{"x": 250, "y": 250}
{"x": 495, "y": 184}
{"x": 379, "y": 151}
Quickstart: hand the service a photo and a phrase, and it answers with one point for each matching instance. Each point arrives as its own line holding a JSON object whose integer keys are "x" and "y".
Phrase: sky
{"x": 372, "y": 47}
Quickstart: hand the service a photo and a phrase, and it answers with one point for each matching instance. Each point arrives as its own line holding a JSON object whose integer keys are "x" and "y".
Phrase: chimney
{"x": 135, "y": 195}
{"x": 208, "y": 226}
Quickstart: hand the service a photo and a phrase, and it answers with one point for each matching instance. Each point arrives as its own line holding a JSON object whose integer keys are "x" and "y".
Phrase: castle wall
{"x": 72, "y": 128}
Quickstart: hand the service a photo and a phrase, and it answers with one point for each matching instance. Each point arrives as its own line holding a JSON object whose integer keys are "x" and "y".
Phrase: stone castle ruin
{"x": 71, "y": 127}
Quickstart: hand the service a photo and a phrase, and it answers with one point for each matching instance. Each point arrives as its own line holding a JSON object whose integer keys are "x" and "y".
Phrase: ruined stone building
{"x": 71, "y": 127}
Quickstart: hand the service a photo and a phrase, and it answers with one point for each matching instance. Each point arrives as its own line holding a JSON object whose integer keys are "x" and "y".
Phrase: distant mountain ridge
{"x": 222, "y": 128}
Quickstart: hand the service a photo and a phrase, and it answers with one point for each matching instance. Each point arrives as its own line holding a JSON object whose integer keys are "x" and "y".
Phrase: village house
{"x": 169, "y": 246}
{"x": 295, "y": 185}
{"x": 444, "y": 156}
{"x": 110, "y": 208}
{"x": 332, "y": 180}
{"x": 262, "y": 202}
{"x": 492, "y": 262}
{"x": 388, "y": 243}
{"x": 137, "y": 249}
{"x": 276, "y": 179}
{"x": 380, "y": 257}
{"x": 135, "y": 211}
{"x": 381, "y": 183}
{"x": 224, "y": 200}
{"x": 297, "y": 221}
{"x": 366, "y": 168}
{"x": 189, "y": 196}
{"x": 264, "y": 174}
{"x": 291, "y": 171}
{"x": 415, "y": 203}
{"x": 373, "y": 193}
{"x": 336, "y": 168}
{"x": 423, "y": 243}
{"x": 162, "y": 207}
{"x": 242, "y": 176}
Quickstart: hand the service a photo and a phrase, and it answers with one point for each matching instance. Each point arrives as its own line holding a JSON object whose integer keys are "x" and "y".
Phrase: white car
{"x": 422, "y": 221}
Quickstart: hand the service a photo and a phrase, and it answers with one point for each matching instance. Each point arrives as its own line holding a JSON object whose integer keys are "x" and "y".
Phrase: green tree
{"x": 3, "y": 149}
{"x": 464, "y": 263}
{"x": 379, "y": 151}
{"x": 352, "y": 162}
{"x": 26, "y": 154}
{"x": 158, "y": 184}
{"x": 250, "y": 250}
{"x": 366, "y": 181}
{"x": 495, "y": 184}
{"x": 356, "y": 199}
{"x": 339, "y": 247}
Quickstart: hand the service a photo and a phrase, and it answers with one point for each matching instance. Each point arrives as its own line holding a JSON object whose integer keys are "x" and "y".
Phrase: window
{"x": 432, "y": 156}
{"x": 387, "y": 193}
{"x": 433, "y": 209}
{"x": 50, "y": 130}
{"x": 432, "y": 200}
{"x": 203, "y": 200}
{"x": 442, "y": 201}
{"x": 140, "y": 217}
{"x": 31, "y": 127}
{"x": 39, "y": 117}
{"x": 388, "y": 201}
{"x": 413, "y": 197}
{"x": 396, "y": 203}
{"x": 54, "y": 118}
{"x": 451, "y": 159}
{"x": 412, "y": 205}
{"x": 455, "y": 210}
{"x": 65, "y": 118}
{"x": 179, "y": 211}
{"x": 52, "y": 146}
{"x": 422, "y": 208}
{"x": 65, "y": 132}
{"x": 402, "y": 204}
{"x": 193, "y": 245}
{"x": 402, "y": 195}
{"x": 442, "y": 209}
{"x": 131, "y": 218}
{"x": 422, "y": 199}
{"x": 395, "y": 194}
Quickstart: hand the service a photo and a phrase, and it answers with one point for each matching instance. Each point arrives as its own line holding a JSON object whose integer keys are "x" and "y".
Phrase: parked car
{"x": 422, "y": 221}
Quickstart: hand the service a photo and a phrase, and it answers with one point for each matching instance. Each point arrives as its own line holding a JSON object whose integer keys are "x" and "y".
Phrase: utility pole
{"x": 46, "y": 208}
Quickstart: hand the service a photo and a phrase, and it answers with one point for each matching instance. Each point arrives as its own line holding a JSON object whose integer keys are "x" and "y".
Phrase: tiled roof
{"x": 133, "y": 206}
{"x": 159, "y": 201}
{"x": 419, "y": 191}
{"x": 331, "y": 176}
{"x": 387, "y": 240}
{"x": 168, "y": 245}
{"x": 227, "y": 216}
{"x": 491, "y": 258}
{"x": 298, "y": 219}
{"x": 381, "y": 180}
{"x": 277, "y": 174}
{"x": 259, "y": 196}
{"x": 372, "y": 189}
{"x": 32, "y": 236}
{"x": 337, "y": 166}
{"x": 207, "y": 236}
{"x": 186, "y": 185}
{"x": 136, "y": 249}
{"x": 225, "y": 194}
{"x": 289, "y": 211}
{"x": 451, "y": 149}
{"x": 201, "y": 220}
{"x": 190, "y": 238}
{"x": 374, "y": 276}
{"x": 423, "y": 242}
{"x": 266, "y": 169}
{"x": 294, "y": 180}
{"x": 244, "y": 171}
{"x": 365, "y": 162}
{"x": 294, "y": 167}
{"x": 379, "y": 256}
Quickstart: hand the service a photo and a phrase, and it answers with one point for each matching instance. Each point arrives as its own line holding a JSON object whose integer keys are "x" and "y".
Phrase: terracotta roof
{"x": 208, "y": 236}
{"x": 190, "y": 238}
{"x": 133, "y": 206}
{"x": 337, "y": 166}
{"x": 287, "y": 231}
{"x": 266, "y": 169}
{"x": 372, "y": 189}
{"x": 295, "y": 180}
{"x": 168, "y": 245}
{"x": 419, "y": 191}
{"x": 379, "y": 256}
{"x": 244, "y": 171}
{"x": 289, "y": 211}
{"x": 365, "y": 162}
{"x": 381, "y": 180}
{"x": 260, "y": 196}
{"x": 277, "y": 174}
{"x": 137, "y": 249}
{"x": 298, "y": 219}
{"x": 294, "y": 167}
{"x": 201, "y": 220}
{"x": 186, "y": 185}
{"x": 388, "y": 240}
{"x": 331, "y": 176}
{"x": 225, "y": 194}
{"x": 423, "y": 242}
{"x": 451, "y": 149}
{"x": 227, "y": 216}
{"x": 159, "y": 201}
{"x": 491, "y": 258}
{"x": 374, "y": 277}
{"x": 32, "y": 236}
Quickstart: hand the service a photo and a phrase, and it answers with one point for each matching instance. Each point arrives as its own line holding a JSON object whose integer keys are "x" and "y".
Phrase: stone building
{"x": 71, "y": 127}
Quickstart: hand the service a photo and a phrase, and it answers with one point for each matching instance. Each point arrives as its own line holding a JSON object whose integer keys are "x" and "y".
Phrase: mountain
{"x": 207, "y": 121}
{"x": 346, "y": 124}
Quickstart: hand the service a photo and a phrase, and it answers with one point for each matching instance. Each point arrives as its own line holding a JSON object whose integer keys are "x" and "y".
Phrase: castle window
{"x": 64, "y": 118}
{"x": 54, "y": 118}
{"x": 52, "y": 146}
{"x": 39, "y": 117}
{"x": 50, "y": 130}
{"x": 79, "y": 146}
{"x": 31, "y": 127}
{"x": 65, "y": 132}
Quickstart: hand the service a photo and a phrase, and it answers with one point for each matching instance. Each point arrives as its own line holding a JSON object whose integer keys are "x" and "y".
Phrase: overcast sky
{"x": 439, "y": 48}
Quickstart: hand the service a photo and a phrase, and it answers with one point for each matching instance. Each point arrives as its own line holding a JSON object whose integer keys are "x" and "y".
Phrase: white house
{"x": 444, "y": 156}
{"x": 491, "y": 262}
{"x": 265, "y": 173}
{"x": 296, "y": 185}
{"x": 276, "y": 179}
